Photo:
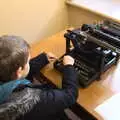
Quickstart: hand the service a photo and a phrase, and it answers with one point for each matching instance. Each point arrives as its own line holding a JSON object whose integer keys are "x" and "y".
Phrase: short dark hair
{"x": 14, "y": 52}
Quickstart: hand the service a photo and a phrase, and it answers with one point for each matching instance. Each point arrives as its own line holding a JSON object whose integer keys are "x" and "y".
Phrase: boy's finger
{"x": 52, "y": 57}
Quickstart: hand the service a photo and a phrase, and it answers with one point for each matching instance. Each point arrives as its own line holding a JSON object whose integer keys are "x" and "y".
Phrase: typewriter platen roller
{"x": 93, "y": 54}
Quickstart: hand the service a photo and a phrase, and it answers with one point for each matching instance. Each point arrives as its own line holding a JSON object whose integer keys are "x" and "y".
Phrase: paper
{"x": 110, "y": 109}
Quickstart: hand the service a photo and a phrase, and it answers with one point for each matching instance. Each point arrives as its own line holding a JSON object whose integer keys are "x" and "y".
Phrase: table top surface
{"x": 93, "y": 95}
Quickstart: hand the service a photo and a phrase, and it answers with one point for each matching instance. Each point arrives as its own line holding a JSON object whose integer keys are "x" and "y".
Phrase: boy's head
{"x": 14, "y": 58}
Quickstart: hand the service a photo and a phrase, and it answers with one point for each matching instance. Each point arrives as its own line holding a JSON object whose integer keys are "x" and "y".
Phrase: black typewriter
{"x": 93, "y": 53}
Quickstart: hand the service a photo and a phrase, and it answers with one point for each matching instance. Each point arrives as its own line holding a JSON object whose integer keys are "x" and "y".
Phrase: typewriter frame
{"x": 74, "y": 36}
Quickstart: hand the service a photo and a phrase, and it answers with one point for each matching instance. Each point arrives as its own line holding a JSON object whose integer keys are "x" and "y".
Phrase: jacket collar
{"x": 7, "y": 88}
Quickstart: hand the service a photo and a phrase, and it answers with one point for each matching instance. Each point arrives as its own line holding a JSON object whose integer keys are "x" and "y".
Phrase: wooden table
{"x": 89, "y": 97}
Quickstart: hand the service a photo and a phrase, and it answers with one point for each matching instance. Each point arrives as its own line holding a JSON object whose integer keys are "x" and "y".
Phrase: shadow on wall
{"x": 56, "y": 23}
{"x": 34, "y": 19}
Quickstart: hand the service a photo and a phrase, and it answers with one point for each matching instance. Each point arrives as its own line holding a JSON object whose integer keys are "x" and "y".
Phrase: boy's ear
{"x": 19, "y": 72}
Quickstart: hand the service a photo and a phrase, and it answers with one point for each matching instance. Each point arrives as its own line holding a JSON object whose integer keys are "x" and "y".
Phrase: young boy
{"x": 19, "y": 98}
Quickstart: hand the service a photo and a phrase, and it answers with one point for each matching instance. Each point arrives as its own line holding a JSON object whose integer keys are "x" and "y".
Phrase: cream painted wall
{"x": 78, "y": 16}
{"x": 32, "y": 19}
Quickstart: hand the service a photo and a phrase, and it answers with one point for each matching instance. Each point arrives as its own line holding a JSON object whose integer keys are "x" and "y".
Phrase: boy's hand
{"x": 51, "y": 57}
{"x": 68, "y": 60}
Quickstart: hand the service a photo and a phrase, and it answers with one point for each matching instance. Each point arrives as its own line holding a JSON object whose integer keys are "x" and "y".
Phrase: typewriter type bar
{"x": 112, "y": 24}
{"x": 101, "y": 38}
{"x": 101, "y": 43}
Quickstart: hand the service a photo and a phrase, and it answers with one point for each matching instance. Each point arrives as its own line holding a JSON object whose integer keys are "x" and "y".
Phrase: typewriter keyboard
{"x": 86, "y": 74}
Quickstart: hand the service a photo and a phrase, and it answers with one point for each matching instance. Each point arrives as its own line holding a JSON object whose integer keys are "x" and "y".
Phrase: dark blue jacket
{"x": 40, "y": 102}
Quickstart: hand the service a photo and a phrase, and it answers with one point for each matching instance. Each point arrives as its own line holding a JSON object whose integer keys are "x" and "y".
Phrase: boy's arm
{"x": 56, "y": 100}
{"x": 39, "y": 61}
{"x": 36, "y": 64}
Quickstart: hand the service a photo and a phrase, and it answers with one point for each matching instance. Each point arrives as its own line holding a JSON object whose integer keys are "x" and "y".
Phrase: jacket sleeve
{"x": 56, "y": 100}
{"x": 36, "y": 64}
